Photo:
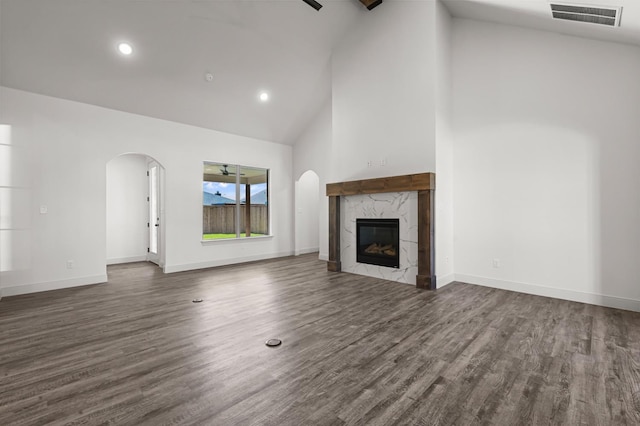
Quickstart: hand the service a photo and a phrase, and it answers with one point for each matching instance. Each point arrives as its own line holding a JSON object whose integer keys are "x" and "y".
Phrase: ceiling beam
{"x": 313, "y": 3}
{"x": 370, "y": 4}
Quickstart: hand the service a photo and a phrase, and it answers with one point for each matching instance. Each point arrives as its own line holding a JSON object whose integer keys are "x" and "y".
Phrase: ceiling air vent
{"x": 603, "y": 15}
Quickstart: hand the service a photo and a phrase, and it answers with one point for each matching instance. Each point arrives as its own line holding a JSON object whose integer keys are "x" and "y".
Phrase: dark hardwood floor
{"x": 356, "y": 350}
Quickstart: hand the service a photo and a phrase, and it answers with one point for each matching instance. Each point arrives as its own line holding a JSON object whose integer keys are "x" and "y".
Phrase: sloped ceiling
{"x": 536, "y": 14}
{"x": 67, "y": 49}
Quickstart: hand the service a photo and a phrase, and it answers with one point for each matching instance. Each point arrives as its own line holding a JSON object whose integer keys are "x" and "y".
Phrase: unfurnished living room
{"x": 332, "y": 212}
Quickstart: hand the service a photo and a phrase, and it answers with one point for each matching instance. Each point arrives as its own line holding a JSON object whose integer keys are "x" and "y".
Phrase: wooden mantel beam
{"x": 416, "y": 182}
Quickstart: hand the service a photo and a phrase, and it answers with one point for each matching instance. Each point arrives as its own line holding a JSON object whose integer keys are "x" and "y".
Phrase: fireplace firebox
{"x": 378, "y": 242}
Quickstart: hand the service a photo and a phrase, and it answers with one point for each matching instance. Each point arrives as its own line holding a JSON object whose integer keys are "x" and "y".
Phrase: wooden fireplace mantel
{"x": 424, "y": 184}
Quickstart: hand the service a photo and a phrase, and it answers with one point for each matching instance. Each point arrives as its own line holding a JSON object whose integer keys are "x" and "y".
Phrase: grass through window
{"x": 226, "y": 236}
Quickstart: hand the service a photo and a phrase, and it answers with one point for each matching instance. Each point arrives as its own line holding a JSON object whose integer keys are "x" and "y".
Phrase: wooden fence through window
{"x": 220, "y": 219}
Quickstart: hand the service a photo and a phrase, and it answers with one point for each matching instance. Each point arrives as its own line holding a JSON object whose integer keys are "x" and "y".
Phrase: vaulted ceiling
{"x": 536, "y": 14}
{"x": 67, "y": 49}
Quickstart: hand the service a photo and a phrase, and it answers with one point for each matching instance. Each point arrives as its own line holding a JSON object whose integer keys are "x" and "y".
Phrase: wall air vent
{"x": 603, "y": 15}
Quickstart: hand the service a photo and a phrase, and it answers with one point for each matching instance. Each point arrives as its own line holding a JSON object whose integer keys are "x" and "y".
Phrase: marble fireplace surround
{"x": 424, "y": 184}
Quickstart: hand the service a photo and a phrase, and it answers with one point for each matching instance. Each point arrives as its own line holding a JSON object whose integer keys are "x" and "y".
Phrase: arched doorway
{"x": 135, "y": 210}
{"x": 307, "y": 229}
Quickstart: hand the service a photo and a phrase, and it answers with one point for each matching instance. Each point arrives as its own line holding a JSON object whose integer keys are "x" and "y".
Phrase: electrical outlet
{"x": 43, "y": 210}
{"x": 496, "y": 263}
{"x": 69, "y": 264}
{"x": 446, "y": 260}
{"x": 383, "y": 162}
{"x": 369, "y": 163}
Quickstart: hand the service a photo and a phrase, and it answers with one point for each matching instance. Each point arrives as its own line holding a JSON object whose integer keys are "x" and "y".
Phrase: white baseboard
{"x": 323, "y": 256}
{"x": 307, "y": 251}
{"x": 168, "y": 269}
{"x": 53, "y": 285}
{"x": 558, "y": 293}
{"x": 118, "y": 260}
{"x": 443, "y": 281}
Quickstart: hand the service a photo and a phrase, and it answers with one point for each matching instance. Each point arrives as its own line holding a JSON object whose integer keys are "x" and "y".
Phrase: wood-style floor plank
{"x": 356, "y": 351}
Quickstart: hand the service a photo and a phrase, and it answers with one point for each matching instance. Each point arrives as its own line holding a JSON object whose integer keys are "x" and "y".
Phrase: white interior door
{"x": 153, "y": 172}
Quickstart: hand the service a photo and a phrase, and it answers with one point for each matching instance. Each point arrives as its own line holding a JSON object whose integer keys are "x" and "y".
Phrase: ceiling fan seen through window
{"x": 226, "y": 172}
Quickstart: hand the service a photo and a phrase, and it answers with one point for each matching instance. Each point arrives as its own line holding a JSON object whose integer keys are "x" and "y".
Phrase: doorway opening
{"x": 135, "y": 210}
{"x": 153, "y": 203}
{"x": 307, "y": 225}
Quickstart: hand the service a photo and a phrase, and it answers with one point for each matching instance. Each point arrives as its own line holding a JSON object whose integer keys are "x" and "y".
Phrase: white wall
{"x": 384, "y": 94}
{"x": 381, "y": 107}
{"x": 444, "y": 147}
{"x": 307, "y": 214}
{"x": 127, "y": 209}
{"x": 68, "y": 142}
{"x": 312, "y": 151}
{"x": 545, "y": 163}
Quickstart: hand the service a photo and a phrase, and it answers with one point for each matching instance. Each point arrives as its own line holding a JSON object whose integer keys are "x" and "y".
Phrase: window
{"x": 234, "y": 201}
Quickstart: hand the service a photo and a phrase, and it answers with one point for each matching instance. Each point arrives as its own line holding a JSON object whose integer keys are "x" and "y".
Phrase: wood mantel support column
{"x": 334, "y": 264}
{"x": 426, "y": 241}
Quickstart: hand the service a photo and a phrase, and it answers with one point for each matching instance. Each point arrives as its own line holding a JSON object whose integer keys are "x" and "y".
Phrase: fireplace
{"x": 424, "y": 185}
{"x": 377, "y": 242}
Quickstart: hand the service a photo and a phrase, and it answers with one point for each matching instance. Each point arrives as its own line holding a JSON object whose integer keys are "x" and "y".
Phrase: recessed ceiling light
{"x": 264, "y": 96}
{"x": 125, "y": 48}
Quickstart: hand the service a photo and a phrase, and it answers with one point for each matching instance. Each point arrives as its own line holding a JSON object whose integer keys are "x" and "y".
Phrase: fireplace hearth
{"x": 377, "y": 242}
